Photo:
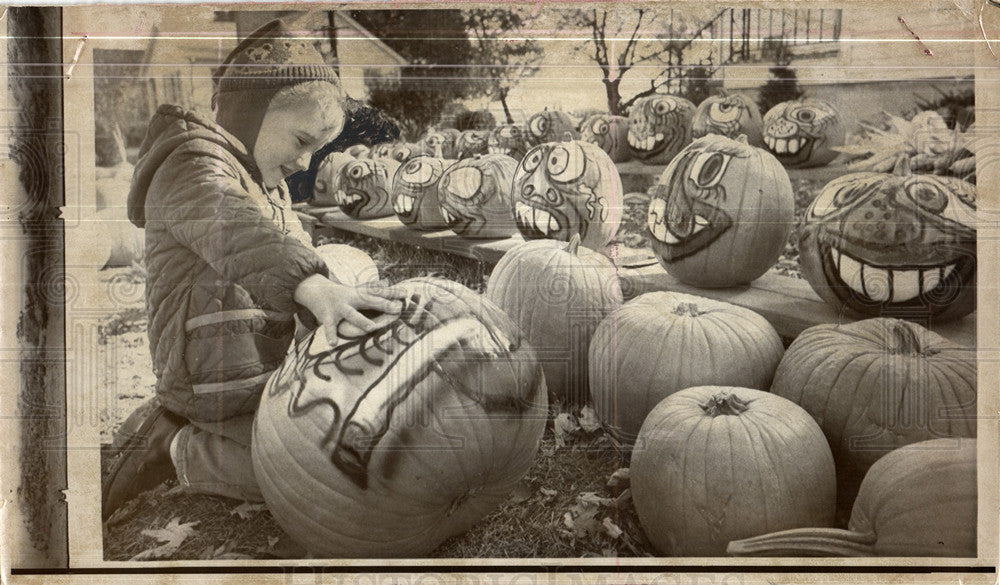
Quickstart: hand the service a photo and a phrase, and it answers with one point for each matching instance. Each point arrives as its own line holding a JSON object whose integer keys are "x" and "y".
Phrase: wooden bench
{"x": 788, "y": 303}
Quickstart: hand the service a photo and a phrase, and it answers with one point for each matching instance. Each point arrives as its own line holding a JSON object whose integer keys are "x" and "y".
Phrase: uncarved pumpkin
{"x": 879, "y": 244}
{"x": 327, "y": 182}
{"x": 557, "y": 293}
{"x": 475, "y": 196}
{"x": 570, "y": 188}
{"x": 391, "y": 442}
{"x": 610, "y": 133}
{"x": 917, "y": 501}
{"x": 364, "y": 187}
{"x": 714, "y": 464}
{"x": 659, "y": 127}
{"x": 415, "y": 192}
{"x": 730, "y": 116}
{"x": 803, "y": 133}
{"x": 720, "y": 213}
{"x": 877, "y": 385}
{"x": 551, "y": 126}
{"x": 662, "y": 342}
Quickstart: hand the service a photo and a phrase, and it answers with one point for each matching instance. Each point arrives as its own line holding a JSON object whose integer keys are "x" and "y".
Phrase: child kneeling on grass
{"x": 229, "y": 265}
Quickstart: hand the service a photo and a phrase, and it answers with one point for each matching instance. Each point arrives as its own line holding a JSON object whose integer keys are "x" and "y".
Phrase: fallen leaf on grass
{"x": 619, "y": 480}
{"x": 611, "y": 529}
{"x": 564, "y": 425}
{"x": 522, "y": 491}
{"x": 548, "y": 494}
{"x": 172, "y": 535}
{"x": 246, "y": 510}
{"x": 588, "y": 420}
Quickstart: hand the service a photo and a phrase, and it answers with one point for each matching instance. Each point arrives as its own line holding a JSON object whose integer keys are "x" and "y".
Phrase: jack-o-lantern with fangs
{"x": 327, "y": 181}
{"x": 721, "y": 213}
{"x": 508, "y": 139}
{"x": 475, "y": 196}
{"x": 729, "y": 116}
{"x": 659, "y": 127}
{"x": 880, "y": 244}
{"x": 803, "y": 133}
{"x": 610, "y": 133}
{"x": 566, "y": 188}
{"x": 415, "y": 192}
{"x": 551, "y": 126}
{"x": 364, "y": 188}
{"x": 472, "y": 142}
{"x": 440, "y": 143}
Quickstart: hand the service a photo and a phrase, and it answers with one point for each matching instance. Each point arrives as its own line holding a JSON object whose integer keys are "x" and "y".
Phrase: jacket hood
{"x": 171, "y": 128}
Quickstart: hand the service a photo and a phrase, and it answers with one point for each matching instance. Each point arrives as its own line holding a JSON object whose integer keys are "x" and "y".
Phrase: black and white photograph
{"x": 577, "y": 289}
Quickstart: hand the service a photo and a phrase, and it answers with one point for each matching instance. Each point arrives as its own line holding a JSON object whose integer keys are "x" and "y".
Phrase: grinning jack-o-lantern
{"x": 803, "y": 133}
{"x": 551, "y": 126}
{"x": 327, "y": 181}
{"x": 364, "y": 188}
{"x": 659, "y": 127}
{"x": 566, "y": 188}
{"x": 415, "y": 193}
{"x": 508, "y": 139}
{"x": 729, "y": 116}
{"x": 475, "y": 196}
{"x": 472, "y": 142}
{"x": 721, "y": 212}
{"x": 880, "y": 244}
{"x": 610, "y": 133}
{"x": 440, "y": 143}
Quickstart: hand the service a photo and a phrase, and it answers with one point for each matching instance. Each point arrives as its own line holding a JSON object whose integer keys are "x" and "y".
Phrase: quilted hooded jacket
{"x": 223, "y": 258}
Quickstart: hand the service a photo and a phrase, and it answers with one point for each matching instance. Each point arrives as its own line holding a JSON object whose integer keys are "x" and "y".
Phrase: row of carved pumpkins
{"x": 663, "y": 366}
{"x": 800, "y": 133}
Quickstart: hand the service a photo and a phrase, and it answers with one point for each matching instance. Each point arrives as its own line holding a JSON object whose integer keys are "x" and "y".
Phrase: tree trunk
{"x": 506, "y": 109}
{"x": 614, "y": 96}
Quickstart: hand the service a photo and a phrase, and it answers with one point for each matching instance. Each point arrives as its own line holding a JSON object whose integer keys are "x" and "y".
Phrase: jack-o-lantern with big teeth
{"x": 803, "y": 133}
{"x": 730, "y": 116}
{"x": 880, "y": 244}
{"x": 551, "y": 126}
{"x": 610, "y": 133}
{"x": 508, "y": 139}
{"x": 720, "y": 213}
{"x": 659, "y": 127}
{"x": 327, "y": 182}
{"x": 566, "y": 188}
{"x": 475, "y": 196}
{"x": 440, "y": 143}
{"x": 364, "y": 188}
{"x": 472, "y": 142}
{"x": 415, "y": 192}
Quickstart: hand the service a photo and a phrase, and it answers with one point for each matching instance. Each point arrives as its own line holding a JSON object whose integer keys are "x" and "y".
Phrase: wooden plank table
{"x": 788, "y": 303}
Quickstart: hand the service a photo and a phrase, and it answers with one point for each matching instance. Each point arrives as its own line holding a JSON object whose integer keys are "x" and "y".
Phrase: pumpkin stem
{"x": 903, "y": 340}
{"x": 725, "y": 405}
{"x": 687, "y": 309}
{"x": 806, "y": 542}
{"x": 574, "y": 244}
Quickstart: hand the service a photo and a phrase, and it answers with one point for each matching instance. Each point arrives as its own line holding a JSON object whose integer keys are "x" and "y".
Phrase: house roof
{"x": 345, "y": 19}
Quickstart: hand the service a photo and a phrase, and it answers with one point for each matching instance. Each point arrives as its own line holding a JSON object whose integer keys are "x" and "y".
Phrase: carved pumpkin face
{"x": 802, "y": 133}
{"x": 475, "y": 196}
{"x": 659, "y": 127}
{"x": 882, "y": 244}
{"x": 720, "y": 213}
{"x": 472, "y": 142}
{"x": 358, "y": 151}
{"x": 440, "y": 143}
{"x": 404, "y": 151}
{"x": 415, "y": 192}
{"x": 729, "y": 116}
{"x": 508, "y": 139}
{"x": 364, "y": 188}
{"x": 566, "y": 188}
{"x": 551, "y": 126}
{"x": 383, "y": 150}
{"x": 327, "y": 181}
{"x": 610, "y": 133}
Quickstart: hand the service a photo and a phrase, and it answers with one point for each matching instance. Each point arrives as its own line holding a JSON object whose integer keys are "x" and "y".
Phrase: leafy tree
{"x": 783, "y": 84}
{"x": 502, "y": 61}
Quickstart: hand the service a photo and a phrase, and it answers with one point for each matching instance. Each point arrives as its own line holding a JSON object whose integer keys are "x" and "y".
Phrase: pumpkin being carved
{"x": 551, "y": 126}
{"x": 918, "y": 501}
{"x": 563, "y": 189}
{"x": 730, "y": 116}
{"x": 720, "y": 213}
{"x": 659, "y": 127}
{"x": 475, "y": 196}
{"x": 662, "y": 342}
{"x": 364, "y": 187}
{"x": 610, "y": 133}
{"x": 390, "y": 442}
{"x": 803, "y": 133}
{"x": 415, "y": 193}
{"x": 714, "y": 464}
{"x": 877, "y": 385}
{"x": 557, "y": 293}
{"x": 508, "y": 139}
{"x": 886, "y": 245}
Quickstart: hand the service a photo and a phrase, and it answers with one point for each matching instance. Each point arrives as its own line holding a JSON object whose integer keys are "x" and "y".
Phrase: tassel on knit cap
{"x": 269, "y": 59}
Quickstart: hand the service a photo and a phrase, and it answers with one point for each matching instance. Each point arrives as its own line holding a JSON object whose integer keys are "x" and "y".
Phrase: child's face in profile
{"x": 288, "y": 138}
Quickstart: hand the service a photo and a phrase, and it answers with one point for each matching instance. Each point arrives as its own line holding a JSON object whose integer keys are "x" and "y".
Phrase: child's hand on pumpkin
{"x": 339, "y": 307}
